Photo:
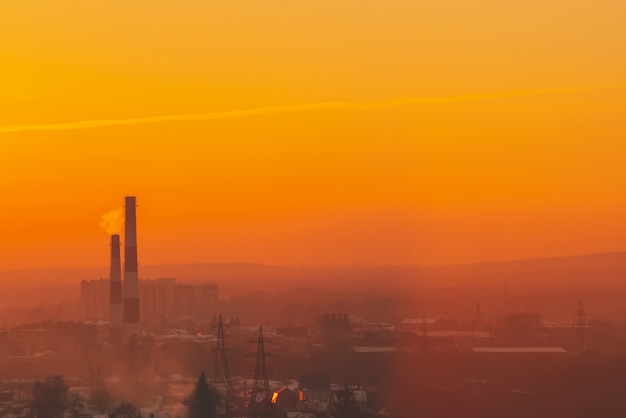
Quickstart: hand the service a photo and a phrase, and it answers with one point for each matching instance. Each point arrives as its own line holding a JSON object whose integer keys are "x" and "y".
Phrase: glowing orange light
{"x": 274, "y": 397}
{"x": 301, "y": 395}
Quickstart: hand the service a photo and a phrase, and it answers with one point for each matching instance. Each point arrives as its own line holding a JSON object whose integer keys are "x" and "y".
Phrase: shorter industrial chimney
{"x": 116, "y": 330}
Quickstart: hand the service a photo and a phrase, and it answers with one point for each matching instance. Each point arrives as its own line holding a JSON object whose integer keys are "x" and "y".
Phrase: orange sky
{"x": 329, "y": 132}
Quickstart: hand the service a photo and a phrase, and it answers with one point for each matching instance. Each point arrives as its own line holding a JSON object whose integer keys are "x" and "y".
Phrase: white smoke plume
{"x": 113, "y": 221}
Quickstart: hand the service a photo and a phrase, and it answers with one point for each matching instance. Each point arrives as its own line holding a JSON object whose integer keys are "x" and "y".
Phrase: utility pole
{"x": 580, "y": 322}
{"x": 424, "y": 332}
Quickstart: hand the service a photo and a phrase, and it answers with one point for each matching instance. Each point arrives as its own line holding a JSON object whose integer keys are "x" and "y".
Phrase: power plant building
{"x": 94, "y": 299}
{"x": 158, "y": 303}
{"x": 162, "y": 300}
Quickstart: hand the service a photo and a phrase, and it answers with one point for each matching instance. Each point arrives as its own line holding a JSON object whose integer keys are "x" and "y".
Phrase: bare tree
{"x": 100, "y": 396}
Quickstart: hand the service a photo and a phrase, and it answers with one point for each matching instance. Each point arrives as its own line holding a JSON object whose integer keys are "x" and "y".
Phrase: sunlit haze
{"x": 313, "y": 133}
{"x": 313, "y": 208}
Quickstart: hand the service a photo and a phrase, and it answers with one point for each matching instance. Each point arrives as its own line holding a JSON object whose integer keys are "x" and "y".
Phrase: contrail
{"x": 292, "y": 108}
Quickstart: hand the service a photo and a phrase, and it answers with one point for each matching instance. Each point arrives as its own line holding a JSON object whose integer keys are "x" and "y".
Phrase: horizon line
{"x": 341, "y": 266}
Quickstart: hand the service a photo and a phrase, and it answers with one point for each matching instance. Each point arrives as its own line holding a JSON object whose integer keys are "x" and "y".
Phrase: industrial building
{"x": 162, "y": 300}
{"x": 132, "y": 304}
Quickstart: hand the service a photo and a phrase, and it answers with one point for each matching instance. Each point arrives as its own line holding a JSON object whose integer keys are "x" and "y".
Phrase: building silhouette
{"x": 162, "y": 300}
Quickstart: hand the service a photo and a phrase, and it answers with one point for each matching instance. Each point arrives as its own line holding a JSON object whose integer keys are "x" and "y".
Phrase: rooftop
{"x": 518, "y": 350}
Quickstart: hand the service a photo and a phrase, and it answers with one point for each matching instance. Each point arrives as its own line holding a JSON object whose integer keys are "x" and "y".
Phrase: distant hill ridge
{"x": 603, "y": 267}
{"x": 580, "y": 274}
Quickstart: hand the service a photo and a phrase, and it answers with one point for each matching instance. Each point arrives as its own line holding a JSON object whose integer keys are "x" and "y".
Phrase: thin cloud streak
{"x": 292, "y": 108}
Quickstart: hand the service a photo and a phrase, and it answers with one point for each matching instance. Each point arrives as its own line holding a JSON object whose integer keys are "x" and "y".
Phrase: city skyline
{"x": 330, "y": 209}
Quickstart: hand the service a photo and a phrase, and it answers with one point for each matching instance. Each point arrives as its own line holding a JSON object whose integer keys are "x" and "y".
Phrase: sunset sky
{"x": 326, "y": 132}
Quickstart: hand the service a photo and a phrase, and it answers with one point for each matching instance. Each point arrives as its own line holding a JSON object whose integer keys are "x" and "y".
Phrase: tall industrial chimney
{"x": 131, "y": 277}
{"x": 115, "y": 282}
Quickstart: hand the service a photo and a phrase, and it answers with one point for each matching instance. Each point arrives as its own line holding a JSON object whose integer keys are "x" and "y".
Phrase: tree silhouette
{"x": 346, "y": 405}
{"x": 203, "y": 401}
{"x": 125, "y": 410}
{"x": 100, "y": 399}
{"x": 50, "y": 397}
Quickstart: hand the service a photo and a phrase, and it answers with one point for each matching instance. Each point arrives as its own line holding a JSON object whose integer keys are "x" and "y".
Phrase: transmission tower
{"x": 221, "y": 373}
{"x": 580, "y": 322}
{"x": 260, "y": 400}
